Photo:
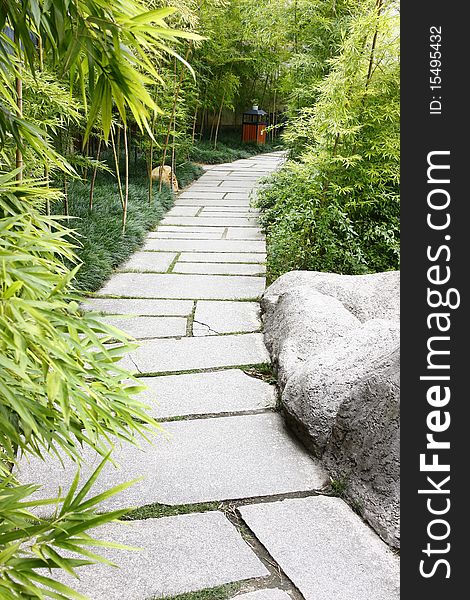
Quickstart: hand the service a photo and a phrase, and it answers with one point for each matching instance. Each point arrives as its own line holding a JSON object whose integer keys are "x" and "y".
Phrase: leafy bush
{"x": 337, "y": 207}
{"x": 61, "y": 387}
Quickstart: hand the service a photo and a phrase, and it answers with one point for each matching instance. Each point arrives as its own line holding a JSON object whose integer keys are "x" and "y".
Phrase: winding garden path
{"x": 242, "y": 500}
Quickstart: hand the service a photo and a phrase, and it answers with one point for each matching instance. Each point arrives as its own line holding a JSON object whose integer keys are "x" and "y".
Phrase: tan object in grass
{"x": 166, "y": 175}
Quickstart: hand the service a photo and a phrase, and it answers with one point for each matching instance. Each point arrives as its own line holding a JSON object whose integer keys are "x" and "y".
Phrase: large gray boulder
{"x": 333, "y": 340}
{"x": 363, "y": 450}
{"x": 315, "y": 392}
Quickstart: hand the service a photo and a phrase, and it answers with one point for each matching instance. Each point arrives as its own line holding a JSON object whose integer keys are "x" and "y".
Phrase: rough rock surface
{"x": 315, "y": 392}
{"x": 334, "y": 340}
{"x": 364, "y": 447}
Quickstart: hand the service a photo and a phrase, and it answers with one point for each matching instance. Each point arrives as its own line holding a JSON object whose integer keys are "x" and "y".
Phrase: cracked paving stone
{"x": 199, "y": 460}
{"x": 191, "y": 353}
{"x": 214, "y": 317}
{"x": 230, "y": 390}
{"x": 170, "y": 556}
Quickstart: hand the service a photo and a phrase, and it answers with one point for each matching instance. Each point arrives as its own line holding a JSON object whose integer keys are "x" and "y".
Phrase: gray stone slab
{"x": 153, "y": 262}
{"x": 209, "y": 213}
{"x": 240, "y": 201}
{"x": 325, "y": 549}
{"x": 237, "y": 196}
{"x": 186, "y": 235}
{"x": 199, "y": 460}
{"x": 192, "y": 353}
{"x": 229, "y": 209}
{"x": 149, "y": 327}
{"x": 173, "y": 555}
{"x": 211, "y": 221}
{"x": 208, "y": 184}
{"x": 229, "y": 390}
{"x": 201, "y": 195}
{"x": 244, "y": 233}
{"x": 220, "y": 269}
{"x": 125, "y": 306}
{"x": 214, "y": 174}
{"x": 219, "y": 257}
{"x": 205, "y": 246}
{"x": 212, "y": 318}
{"x": 186, "y": 229}
{"x": 266, "y": 594}
{"x": 239, "y": 187}
{"x": 183, "y": 211}
{"x": 149, "y": 285}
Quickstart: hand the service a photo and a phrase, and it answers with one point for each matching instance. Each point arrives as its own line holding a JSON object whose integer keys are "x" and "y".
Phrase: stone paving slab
{"x": 230, "y": 209}
{"x": 192, "y": 353}
{"x": 199, "y": 460}
{"x": 238, "y": 201}
{"x": 325, "y": 549}
{"x": 230, "y": 390}
{"x": 176, "y": 555}
{"x": 150, "y": 285}
{"x": 219, "y": 257}
{"x": 187, "y": 229}
{"x": 209, "y": 212}
{"x": 186, "y": 235}
{"x": 150, "y": 327}
{"x": 205, "y": 246}
{"x": 158, "y": 262}
{"x": 209, "y": 184}
{"x": 183, "y": 211}
{"x": 201, "y": 195}
{"x": 211, "y": 221}
{"x": 244, "y": 233}
{"x": 237, "y": 195}
{"x": 238, "y": 188}
{"x": 212, "y": 318}
{"x": 266, "y": 594}
{"x": 124, "y": 306}
{"x": 220, "y": 269}
{"x": 221, "y": 173}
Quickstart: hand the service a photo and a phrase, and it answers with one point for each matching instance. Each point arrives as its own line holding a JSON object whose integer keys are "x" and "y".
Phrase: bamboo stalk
{"x": 126, "y": 180}
{"x": 218, "y": 121}
{"x": 173, "y": 111}
{"x": 212, "y": 126}
{"x": 195, "y": 122}
{"x": 66, "y": 196}
{"x": 93, "y": 177}
{"x": 46, "y": 177}
{"x": 19, "y": 107}
{"x": 379, "y": 5}
{"x": 274, "y": 110}
{"x": 116, "y": 164}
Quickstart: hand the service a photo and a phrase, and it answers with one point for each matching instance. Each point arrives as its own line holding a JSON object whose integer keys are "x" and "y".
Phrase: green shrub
{"x": 337, "y": 207}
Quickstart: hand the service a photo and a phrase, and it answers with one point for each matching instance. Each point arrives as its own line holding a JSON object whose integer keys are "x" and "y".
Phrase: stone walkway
{"x": 242, "y": 498}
